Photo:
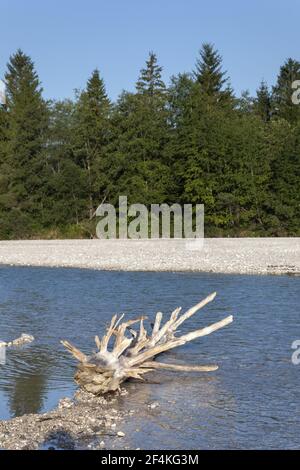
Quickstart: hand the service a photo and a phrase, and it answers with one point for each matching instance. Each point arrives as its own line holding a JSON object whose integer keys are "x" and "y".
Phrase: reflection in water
{"x": 250, "y": 402}
{"x": 27, "y": 387}
{"x": 27, "y": 394}
{"x": 29, "y": 375}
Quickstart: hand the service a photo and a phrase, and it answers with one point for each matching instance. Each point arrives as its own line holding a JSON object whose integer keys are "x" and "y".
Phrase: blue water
{"x": 252, "y": 401}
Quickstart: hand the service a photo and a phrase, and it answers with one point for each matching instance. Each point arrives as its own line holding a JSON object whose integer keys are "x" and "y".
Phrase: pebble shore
{"x": 84, "y": 422}
{"x": 218, "y": 255}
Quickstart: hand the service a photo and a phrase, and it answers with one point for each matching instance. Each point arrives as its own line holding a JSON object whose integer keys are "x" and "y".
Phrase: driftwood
{"x": 132, "y": 356}
{"x": 23, "y": 339}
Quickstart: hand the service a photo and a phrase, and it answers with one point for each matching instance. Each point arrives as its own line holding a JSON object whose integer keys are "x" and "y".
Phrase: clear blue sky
{"x": 67, "y": 39}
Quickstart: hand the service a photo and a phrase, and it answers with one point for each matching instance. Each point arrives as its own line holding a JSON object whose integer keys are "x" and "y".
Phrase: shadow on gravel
{"x": 59, "y": 440}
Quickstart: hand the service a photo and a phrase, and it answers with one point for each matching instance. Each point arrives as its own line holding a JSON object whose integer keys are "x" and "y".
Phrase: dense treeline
{"x": 191, "y": 142}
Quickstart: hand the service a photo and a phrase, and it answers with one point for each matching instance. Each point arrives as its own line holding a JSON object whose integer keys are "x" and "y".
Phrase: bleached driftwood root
{"x": 132, "y": 356}
{"x": 23, "y": 339}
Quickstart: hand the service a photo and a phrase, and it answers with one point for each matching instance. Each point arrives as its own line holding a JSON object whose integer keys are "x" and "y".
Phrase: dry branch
{"x": 132, "y": 356}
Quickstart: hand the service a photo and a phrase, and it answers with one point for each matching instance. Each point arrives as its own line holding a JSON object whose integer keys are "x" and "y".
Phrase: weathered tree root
{"x": 131, "y": 357}
{"x": 23, "y": 339}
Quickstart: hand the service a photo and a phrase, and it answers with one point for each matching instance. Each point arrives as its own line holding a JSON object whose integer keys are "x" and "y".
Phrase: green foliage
{"x": 150, "y": 82}
{"x": 141, "y": 132}
{"x": 209, "y": 74}
{"x": 191, "y": 142}
{"x": 91, "y": 136}
{"x": 23, "y": 166}
{"x": 283, "y": 106}
{"x": 263, "y": 103}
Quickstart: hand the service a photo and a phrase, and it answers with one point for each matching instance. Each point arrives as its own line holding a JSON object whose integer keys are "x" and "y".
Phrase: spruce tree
{"x": 245, "y": 103}
{"x": 66, "y": 192}
{"x": 283, "y": 106}
{"x": 179, "y": 94}
{"x": 3, "y": 132}
{"x": 4, "y": 172}
{"x": 141, "y": 132}
{"x": 284, "y": 197}
{"x": 262, "y": 103}
{"x": 150, "y": 81}
{"x": 91, "y": 137}
{"x": 208, "y": 71}
{"x": 27, "y": 114}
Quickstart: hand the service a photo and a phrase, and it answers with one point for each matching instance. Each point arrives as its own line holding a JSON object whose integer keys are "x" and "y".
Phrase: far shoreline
{"x": 218, "y": 255}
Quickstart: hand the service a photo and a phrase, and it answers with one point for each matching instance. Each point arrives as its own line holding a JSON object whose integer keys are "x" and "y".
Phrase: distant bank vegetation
{"x": 192, "y": 141}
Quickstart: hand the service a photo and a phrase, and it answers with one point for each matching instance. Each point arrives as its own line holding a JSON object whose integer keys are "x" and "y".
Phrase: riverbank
{"x": 218, "y": 255}
{"x": 85, "y": 422}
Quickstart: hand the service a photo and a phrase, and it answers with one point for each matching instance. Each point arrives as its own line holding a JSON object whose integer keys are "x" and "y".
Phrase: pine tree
{"x": 283, "y": 106}
{"x": 284, "y": 198}
{"x": 178, "y": 95}
{"x": 27, "y": 114}
{"x": 141, "y": 132}
{"x": 91, "y": 137}
{"x": 4, "y": 171}
{"x": 245, "y": 103}
{"x": 65, "y": 204}
{"x": 208, "y": 72}
{"x": 223, "y": 164}
{"x": 262, "y": 103}
{"x": 150, "y": 81}
{"x": 3, "y": 132}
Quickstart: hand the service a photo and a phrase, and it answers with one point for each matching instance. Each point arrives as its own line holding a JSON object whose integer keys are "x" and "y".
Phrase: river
{"x": 252, "y": 401}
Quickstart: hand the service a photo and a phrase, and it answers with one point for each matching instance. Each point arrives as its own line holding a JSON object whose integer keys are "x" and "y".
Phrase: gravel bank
{"x": 220, "y": 255}
{"x": 85, "y": 422}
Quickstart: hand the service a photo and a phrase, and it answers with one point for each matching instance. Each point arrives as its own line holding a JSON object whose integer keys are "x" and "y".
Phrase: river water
{"x": 252, "y": 401}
